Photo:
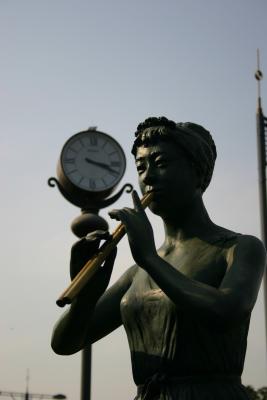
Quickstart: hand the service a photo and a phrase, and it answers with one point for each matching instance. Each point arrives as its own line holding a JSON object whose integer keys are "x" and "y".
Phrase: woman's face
{"x": 165, "y": 169}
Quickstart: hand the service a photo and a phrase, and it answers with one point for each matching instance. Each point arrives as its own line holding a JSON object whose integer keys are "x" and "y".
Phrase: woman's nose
{"x": 149, "y": 176}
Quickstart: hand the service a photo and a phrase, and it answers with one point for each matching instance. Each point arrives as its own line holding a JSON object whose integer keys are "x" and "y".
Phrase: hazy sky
{"x": 67, "y": 65}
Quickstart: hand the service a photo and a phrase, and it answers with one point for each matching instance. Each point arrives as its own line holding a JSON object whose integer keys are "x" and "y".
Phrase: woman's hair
{"x": 195, "y": 140}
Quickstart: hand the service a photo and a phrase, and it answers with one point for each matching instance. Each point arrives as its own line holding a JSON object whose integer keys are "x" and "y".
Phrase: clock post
{"x": 90, "y": 166}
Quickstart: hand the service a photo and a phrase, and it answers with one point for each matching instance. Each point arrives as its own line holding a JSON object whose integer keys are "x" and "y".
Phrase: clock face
{"x": 93, "y": 161}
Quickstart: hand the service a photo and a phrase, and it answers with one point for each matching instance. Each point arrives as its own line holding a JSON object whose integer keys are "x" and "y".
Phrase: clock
{"x": 91, "y": 164}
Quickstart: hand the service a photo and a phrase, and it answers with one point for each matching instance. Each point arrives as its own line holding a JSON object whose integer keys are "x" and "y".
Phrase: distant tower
{"x": 262, "y": 163}
{"x": 27, "y": 385}
{"x": 28, "y": 396}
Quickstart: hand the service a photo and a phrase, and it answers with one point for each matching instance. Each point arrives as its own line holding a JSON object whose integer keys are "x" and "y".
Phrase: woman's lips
{"x": 155, "y": 191}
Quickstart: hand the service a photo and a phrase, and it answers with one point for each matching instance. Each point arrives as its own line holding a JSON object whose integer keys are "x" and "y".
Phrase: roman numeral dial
{"x": 93, "y": 161}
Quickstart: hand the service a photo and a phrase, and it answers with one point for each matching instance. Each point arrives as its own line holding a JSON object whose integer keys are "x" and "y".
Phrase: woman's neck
{"x": 192, "y": 221}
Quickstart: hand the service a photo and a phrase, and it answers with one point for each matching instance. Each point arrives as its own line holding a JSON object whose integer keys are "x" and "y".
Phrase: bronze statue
{"x": 185, "y": 306}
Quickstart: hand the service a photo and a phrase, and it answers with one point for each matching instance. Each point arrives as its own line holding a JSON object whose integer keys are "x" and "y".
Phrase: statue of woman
{"x": 186, "y": 306}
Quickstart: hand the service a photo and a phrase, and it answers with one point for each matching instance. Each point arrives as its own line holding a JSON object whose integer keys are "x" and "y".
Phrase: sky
{"x": 66, "y": 65}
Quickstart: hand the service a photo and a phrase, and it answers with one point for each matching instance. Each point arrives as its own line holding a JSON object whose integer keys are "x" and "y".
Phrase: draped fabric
{"x": 176, "y": 355}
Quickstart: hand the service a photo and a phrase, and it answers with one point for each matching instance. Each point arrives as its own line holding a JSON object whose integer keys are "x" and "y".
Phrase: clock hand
{"x": 101, "y": 165}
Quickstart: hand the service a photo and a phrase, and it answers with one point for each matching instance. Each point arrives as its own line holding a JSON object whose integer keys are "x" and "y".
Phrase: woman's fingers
{"x": 137, "y": 202}
{"x": 91, "y": 240}
{"x": 97, "y": 235}
{"x": 114, "y": 214}
{"x": 138, "y": 228}
{"x": 85, "y": 248}
{"x": 120, "y": 215}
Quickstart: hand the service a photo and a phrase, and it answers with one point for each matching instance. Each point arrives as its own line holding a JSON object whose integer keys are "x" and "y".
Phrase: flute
{"x": 90, "y": 268}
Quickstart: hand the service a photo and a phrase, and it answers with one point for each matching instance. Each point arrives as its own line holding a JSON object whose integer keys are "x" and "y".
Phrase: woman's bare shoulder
{"x": 250, "y": 243}
{"x": 127, "y": 277}
{"x": 222, "y": 237}
{"x": 232, "y": 239}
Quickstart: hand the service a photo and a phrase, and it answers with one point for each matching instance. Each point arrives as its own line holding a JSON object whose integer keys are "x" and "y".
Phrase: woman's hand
{"x": 138, "y": 229}
{"x": 81, "y": 252}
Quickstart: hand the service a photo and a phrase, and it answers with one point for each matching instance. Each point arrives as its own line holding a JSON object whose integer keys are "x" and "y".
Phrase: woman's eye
{"x": 161, "y": 163}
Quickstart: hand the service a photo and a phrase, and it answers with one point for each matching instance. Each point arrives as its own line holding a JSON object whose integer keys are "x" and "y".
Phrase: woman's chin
{"x": 157, "y": 207}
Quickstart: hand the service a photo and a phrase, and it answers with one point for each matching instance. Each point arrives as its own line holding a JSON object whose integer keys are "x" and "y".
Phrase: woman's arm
{"x": 229, "y": 303}
{"x": 235, "y": 297}
{"x": 94, "y": 312}
{"x": 88, "y": 322}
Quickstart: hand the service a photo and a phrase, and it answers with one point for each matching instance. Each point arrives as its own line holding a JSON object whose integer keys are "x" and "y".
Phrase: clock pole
{"x": 87, "y": 222}
{"x": 93, "y": 158}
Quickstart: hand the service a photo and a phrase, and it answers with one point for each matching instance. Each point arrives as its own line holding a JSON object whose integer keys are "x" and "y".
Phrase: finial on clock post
{"x": 259, "y": 77}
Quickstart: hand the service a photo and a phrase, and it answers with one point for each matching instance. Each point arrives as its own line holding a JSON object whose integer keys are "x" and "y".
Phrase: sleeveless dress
{"x": 176, "y": 355}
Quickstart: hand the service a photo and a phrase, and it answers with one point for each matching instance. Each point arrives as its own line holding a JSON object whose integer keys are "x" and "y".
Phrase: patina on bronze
{"x": 186, "y": 306}
{"x": 92, "y": 265}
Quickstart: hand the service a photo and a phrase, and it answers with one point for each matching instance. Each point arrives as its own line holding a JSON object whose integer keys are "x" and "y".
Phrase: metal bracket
{"x": 88, "y": 203}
